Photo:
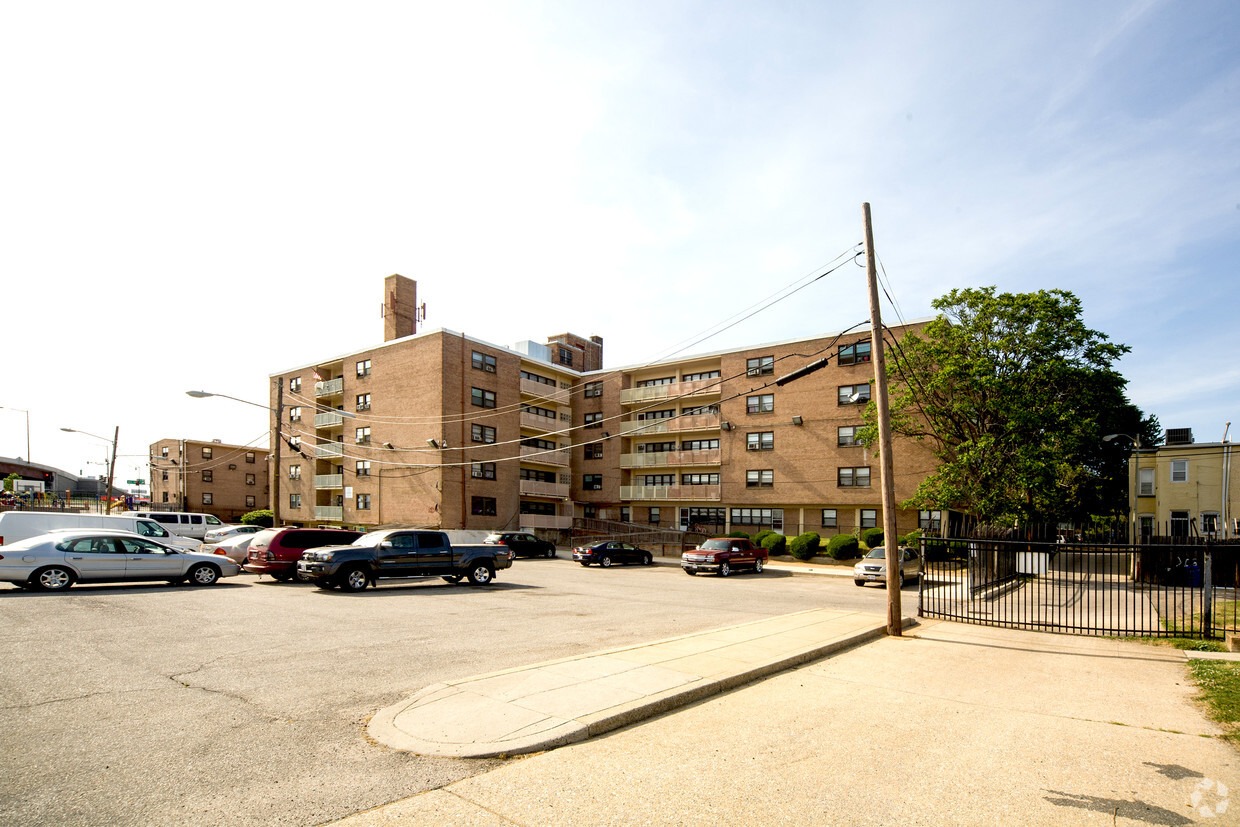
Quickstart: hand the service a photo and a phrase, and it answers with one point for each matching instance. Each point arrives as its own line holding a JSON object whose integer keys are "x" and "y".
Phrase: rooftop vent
{"x": 1179, "y": 436}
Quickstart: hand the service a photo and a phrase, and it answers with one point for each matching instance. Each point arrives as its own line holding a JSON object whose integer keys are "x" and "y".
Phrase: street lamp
{"x": 1136, "y": 475}
{"x": 27, "y": 413}
{"x": 112, "y": 467}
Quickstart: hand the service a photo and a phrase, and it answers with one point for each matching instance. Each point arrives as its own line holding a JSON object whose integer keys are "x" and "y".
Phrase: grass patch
{"x": 1190, "y": 644}
{"x": 1219, "y": 682}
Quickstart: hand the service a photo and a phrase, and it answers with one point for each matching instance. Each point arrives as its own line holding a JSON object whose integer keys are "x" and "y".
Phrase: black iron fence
{"x": 1065, "y": 582}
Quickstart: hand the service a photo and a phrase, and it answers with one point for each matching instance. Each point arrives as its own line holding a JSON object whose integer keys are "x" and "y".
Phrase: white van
{"x": 18, "y": 525}
{"x": 185, "y": 523}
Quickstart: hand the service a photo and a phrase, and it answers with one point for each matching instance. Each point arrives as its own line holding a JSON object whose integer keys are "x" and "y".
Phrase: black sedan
{"x": 522, "y": 543}
{"x": 609, "y": 552}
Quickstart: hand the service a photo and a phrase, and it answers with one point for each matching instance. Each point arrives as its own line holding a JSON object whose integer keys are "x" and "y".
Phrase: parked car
{"x": 611, "y": 551}
{"x": 214, "y": 535}
{"x": 234, "y": 548}
{"x": 873, "y": 567}
{"x": 723, "y": 555}
{"x": 185, "y": 523}
{"x": 401, "y": 553}
{"x": 522, "y": 543}
{"x": 275, "y": 551}
{"x": 54, "y": 562}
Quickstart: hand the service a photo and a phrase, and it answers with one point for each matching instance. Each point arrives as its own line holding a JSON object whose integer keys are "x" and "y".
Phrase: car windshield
{"x": 876, "y": 553}
{"x": 716, "y": 545}
{"x": 372, "y": 539}
{"x": 493, "y": 539}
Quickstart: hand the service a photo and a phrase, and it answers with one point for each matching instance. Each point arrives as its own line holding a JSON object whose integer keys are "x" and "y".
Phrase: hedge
{"x": 774, "y": 543}
{"x": 843, "y": 547}
{"x": 804, "y": 546}
{"x": 263, "y": 517}
{"x": 872, "y": 537}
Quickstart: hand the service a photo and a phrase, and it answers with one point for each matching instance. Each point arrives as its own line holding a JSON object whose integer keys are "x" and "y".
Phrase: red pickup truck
{"x": 724, "y": 555}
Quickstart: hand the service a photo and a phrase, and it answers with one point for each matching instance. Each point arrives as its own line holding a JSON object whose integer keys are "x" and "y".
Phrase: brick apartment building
{"x": 192, "y": 475}
{"x": 443, "y": 429}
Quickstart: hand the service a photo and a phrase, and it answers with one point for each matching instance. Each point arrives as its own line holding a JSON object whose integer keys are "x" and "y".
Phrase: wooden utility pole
{"x": 895, "y": 625}
{"x": 275, "y": 452}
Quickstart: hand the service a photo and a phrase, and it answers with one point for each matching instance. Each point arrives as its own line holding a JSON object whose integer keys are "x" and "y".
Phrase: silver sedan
{"x": 54, "y": 562}
{"x": 873, "y": 567}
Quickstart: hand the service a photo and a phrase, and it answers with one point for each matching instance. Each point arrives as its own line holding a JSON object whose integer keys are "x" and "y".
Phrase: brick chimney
{"x": 400, "y": 307}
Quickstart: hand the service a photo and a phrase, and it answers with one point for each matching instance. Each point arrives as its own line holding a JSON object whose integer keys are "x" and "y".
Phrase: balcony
{"x": 330, "y": 513}
{"x": 670, "y": 492}
{"x": 329, "y": 387}
{"x": 675, "y": 424}
{"x": 329, "y": 449}
{"x": 328, "y": 419}
{"x": 534, "y": 488}
{"x": 532, "y": 521}
{"x": 654, "y": 393}
{"x": 546, "y": 393}
{"x": 662, "y": 459}
{"x": 329, "y": 480}
{"x": 546, "y": 456}
{"x": 542, "y": 424}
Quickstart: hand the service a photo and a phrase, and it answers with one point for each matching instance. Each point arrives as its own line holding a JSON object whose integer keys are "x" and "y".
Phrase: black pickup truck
{"x": 398, "y": 552}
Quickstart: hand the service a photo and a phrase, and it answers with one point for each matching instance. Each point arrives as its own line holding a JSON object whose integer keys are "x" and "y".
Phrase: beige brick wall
{"x": 230, "y": 475}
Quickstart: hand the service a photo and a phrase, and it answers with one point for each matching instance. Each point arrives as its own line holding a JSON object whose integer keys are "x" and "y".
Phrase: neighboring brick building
{"x": 445, "y": 430}
{"x": 209, "y": 477}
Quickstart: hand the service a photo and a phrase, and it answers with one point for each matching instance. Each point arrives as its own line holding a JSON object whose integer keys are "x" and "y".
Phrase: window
{"x": 208, "y": 498}
{"x": 699, "y": 410}
{"x": 165, "y": 475}
{"x": 659, "y": 479}
{"x": 761, "y": 366}
{"x": 363, "y": 436}
{"x": 594, "y": 420}
{"x": 594, "y": 451}
{"x": 847, "y": 435}
{"x": 534, "y": 377}
{"x": 363, "y": 369}
{"x": 538, "y": 476}
{"x": 593, "y": 389}
{"x": 482, "y": 506}
{"x": 705, "y": 517}
{"x": 540, "y": 444}
{"x": 206, "y": 452}
{"x": 1179, "y": 523}
{"x": 592, "y": 482}
{"x": 481, "y": 433}
{"x": 232, "y": 467}
{"x": 854, "y": 394}
{"x": 654, "y": 515}
{"x": 545, "y": 509}
{"x": 165, "y": 496}
{"x": 829, "y": 518}
{"x": 535, "y": 410}
{"x": 665, "y": 414}
{"x": 854, "y": 354}
{"x": 590, "y": 512}
{"x": 294, "y": 384}
{"x": 249, "y": 479}
{"x": 930, "y": 520}
{"x": 566, "y": 357}
{"x": 869, "y": 518}
{"x": 249, "y": 457}
{"x": 1179, "y": 470}
{"x": 163, "y": 451}
{"x": 483, "y": 361}
{"x": 208, "y": 476}
{"x": 655, "y": 447}
{"x": 363, "y": 468}
{"x": 762, "y": 441}
{"x": 483, "y": 471}
{"x": 1209, "y": 522}
{"x": 760, "y": 404}
{"x": 294, "y": 414}
{"x": 482, "y": 398}
{"x": 699, "y": 479}
{"x": 756, "y": 516}
{"x": 363, "y": 402}
{"x": 363, "y": 502}
{"x": 1146, "y": 483}
{"x": 760, "y": 479}
{"x": 249, "y": 501}
{"x": 294, "y": 442}
{"x": 625, "y": 514}
{"x": 694, "y": 377}
{"x": 699, "y": 445}
{"x": 854, "y": 477}
{"x": 294, "y": 472}
{"x": 650, "y": 383}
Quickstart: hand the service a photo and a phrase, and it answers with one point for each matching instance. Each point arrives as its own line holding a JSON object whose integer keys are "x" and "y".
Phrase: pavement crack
{"x": 472, "y": 803}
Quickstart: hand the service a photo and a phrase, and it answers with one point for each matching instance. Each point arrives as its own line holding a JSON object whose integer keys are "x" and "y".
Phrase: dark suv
{"x": 522, "y": 543}
{"x": 275, "y": 551}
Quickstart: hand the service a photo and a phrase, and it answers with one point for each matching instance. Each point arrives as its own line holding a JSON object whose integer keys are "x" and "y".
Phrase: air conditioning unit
{"x": 754, "y": 372}
{"x": 754, "y": 446}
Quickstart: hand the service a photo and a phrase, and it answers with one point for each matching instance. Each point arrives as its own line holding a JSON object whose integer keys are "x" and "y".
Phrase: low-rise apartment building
{"x": 1183, "y": 489}
{"x": 209, "y": 476}
{"x": 447, "y": 430}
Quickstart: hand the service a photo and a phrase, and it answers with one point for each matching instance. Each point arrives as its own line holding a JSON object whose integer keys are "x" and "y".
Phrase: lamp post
{"x": 112, "y": 466}
{"x": 27, "y": 413}
{"x": 1136, "y": 476}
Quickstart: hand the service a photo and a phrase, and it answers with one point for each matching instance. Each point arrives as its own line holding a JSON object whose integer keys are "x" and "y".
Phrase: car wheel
{"x": 480, "y": 575}
{"x": 203, "y": 575}
{"x": 550, "y": 553}
{"x": 648, "y": 559}
{"x": 585, "y": 564}
{"x": 725, "y": 569}
{"x": 605, "y": 562}
{"x": 859, "y": 582}
{"x": 757, "y": 566}
{"x": 452, "y": 578}
{"x": 690, "y": 572}
{"x": 901, "y": 579}
{"x": 354, "y": 579}
{"x": 325, "y": 585}
{"x": 281, "y": 576}
{"x": 52, "y": 579}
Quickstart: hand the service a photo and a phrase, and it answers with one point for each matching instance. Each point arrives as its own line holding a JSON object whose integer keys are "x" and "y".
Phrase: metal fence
{"x": 1177, "y": 587}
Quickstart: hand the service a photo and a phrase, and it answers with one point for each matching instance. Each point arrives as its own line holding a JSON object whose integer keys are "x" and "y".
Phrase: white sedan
{"x": 234, "y": 547}
{"x": 873, "y": 567}
{"x": 214, "y": 535}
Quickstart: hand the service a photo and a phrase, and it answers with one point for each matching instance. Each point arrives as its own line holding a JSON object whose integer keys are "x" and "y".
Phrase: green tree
{"x": 8, "y": 481}
{"x": 1012, "y": 393}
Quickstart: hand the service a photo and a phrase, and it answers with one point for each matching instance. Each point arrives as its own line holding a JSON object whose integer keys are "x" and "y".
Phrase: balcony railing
{"x": 548, "y": 393}
{"x": 653, "y": 393}
{"x": 535, "y": 488}
{"x": 532, "y": 521}
{"x": 660, "y": 459}
{"x": 329, "y": 449}
{"x": 546, "y": 456}
{"x": 329, "y": 387}
{"x": 329, "y": 480}
{"x": 670, "y": 492}
{"x": 699, "y": 422}
{"x": 543, "y": 424}
{"x": 328, "y": 419}
{"x": 331, "y": 513}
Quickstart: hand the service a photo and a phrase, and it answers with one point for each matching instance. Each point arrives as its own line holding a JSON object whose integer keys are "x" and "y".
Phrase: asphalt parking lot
{"x": 244, "y": 703}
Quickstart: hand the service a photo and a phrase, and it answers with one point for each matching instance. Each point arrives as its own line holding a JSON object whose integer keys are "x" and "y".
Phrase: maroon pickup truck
{"x": 724, "y": 555}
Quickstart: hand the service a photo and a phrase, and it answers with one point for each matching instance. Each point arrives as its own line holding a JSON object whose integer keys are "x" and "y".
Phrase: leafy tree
{"x": 1013, "y": 394}
{"x": 9, "y": 480}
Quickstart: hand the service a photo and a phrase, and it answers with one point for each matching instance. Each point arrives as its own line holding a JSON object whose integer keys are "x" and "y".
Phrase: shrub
{"x": 740, "y": 535}
{"x": 263, "y": 517}
{"x": 843, "y": 547}
{"x": 762, "y": 535}
{"x": 912, "y": 539}
{"x": 804, "y": 546}
{"x": 872, "y": 537}
{"x": 775, "y": 543}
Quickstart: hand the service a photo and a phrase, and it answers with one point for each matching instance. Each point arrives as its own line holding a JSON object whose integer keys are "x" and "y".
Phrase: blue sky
{"x": 196, "y": 197}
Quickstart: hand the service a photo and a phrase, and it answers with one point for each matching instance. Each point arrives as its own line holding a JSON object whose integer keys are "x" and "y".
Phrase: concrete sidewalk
{"x": 949, "y": 724}
{"x": 560, "y": 702}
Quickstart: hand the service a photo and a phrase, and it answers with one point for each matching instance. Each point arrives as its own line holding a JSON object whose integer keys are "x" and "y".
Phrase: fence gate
{"x": 1171, "y": 589}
